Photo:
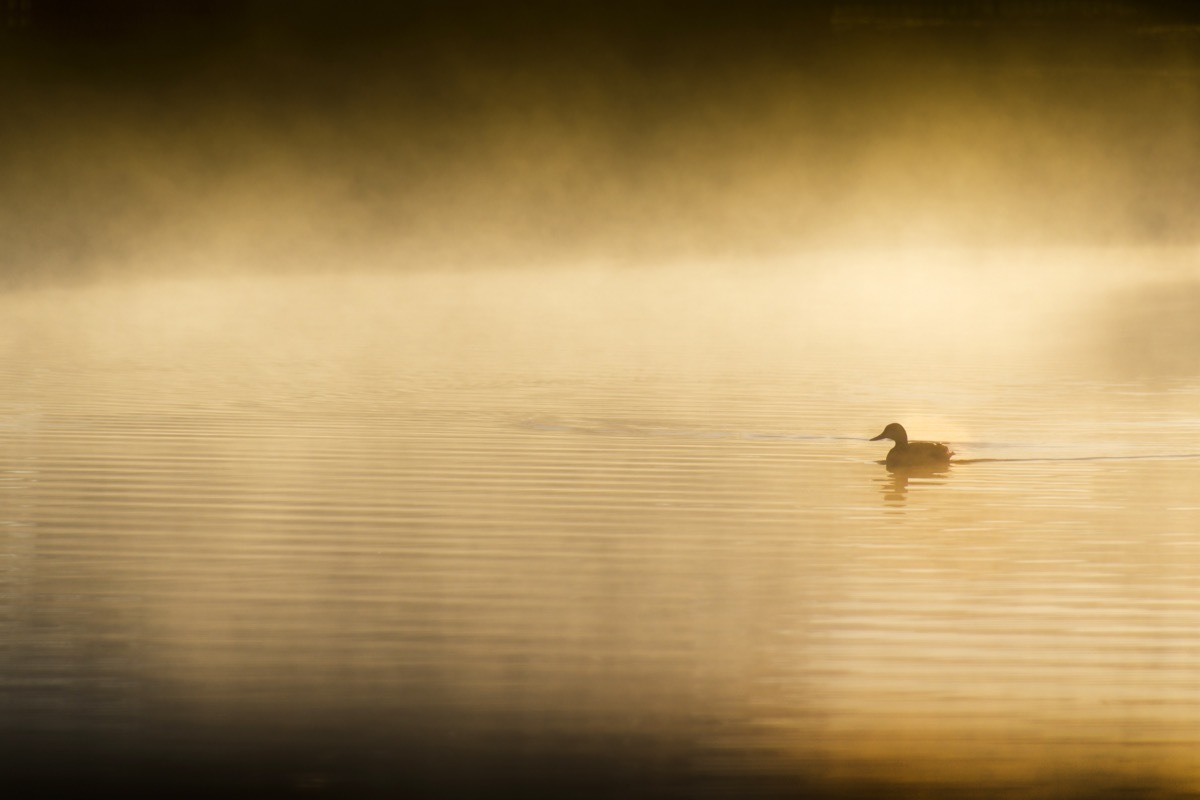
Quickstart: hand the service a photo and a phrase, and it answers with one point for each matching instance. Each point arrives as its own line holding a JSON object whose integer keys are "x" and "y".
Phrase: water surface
{"x": 612, "y": 528}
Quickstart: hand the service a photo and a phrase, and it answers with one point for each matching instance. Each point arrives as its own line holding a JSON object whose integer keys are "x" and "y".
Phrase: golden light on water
{"x": 480, "y": 404}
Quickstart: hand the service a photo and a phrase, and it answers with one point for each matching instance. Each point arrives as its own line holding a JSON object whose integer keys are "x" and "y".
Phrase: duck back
{"x": 917, "y": 454}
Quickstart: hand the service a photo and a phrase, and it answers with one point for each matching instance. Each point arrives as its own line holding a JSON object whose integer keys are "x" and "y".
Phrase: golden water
{"x": 616, "y": 514}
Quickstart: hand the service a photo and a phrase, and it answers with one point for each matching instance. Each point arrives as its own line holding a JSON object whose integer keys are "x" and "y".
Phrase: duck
{"x": 912, "y": 454}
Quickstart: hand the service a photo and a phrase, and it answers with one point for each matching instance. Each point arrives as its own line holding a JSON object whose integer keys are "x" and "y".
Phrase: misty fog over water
{"x": 253, "y": 137}
{"x": 470, "y": 399}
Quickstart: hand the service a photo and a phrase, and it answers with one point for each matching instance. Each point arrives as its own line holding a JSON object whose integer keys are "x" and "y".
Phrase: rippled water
{"x": 610, "y": 529}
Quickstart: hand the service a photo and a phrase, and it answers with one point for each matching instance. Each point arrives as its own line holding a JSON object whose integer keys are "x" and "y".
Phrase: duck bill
{"x": 876, "y": 438}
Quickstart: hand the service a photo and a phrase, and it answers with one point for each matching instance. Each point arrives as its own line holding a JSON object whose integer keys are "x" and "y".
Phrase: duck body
{"x": 912, "y": 454}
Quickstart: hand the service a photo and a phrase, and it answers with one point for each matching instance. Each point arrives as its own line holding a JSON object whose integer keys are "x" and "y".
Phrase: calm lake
{"x": 611, "y": 529}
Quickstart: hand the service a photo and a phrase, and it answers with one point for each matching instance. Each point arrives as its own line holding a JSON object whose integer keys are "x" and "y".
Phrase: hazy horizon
{"x": 224, "y": 137}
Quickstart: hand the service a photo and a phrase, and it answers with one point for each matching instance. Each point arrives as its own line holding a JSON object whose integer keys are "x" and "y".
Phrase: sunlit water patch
{"x": 385, "y": 528}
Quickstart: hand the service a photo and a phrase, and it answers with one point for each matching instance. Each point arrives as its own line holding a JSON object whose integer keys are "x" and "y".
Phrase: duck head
{"x": 895, "y": 431}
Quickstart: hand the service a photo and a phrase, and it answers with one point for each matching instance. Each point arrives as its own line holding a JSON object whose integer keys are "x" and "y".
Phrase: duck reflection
{"x": 895, "y": 485}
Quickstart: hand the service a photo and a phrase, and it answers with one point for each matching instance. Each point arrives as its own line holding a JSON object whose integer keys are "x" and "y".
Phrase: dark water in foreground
{"x": 606, "y": 532}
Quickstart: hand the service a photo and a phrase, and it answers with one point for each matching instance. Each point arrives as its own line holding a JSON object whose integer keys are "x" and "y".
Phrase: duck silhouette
{"x": 912, "y": 454}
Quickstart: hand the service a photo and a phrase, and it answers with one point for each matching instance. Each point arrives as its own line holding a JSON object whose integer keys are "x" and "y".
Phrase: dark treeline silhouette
{"x": 138, "y": 132}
